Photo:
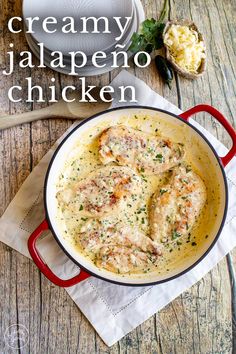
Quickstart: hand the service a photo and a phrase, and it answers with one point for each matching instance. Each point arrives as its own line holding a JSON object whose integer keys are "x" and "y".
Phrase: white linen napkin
{"x": 113, "y": 310}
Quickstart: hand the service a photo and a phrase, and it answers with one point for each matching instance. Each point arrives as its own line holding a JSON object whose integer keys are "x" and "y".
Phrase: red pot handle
{"x": 43, "y": 267}
{"x": 216, "y": 114}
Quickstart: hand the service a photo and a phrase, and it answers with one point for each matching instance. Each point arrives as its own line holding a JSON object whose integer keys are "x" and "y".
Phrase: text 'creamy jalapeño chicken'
{"x": 101, "y": 192}
{"x": 176, "y": 206}
{"x": 139, "y": 150}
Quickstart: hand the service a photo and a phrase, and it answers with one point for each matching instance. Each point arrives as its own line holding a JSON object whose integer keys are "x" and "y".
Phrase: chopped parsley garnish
{"x": 168, "y": 218}
{"x": 81, "y": 207}
{"x": 162, "y": 191}
{"x": 185, "y": 181}
{"x": 175, "y": 234}
{"x": 144, "y": 178}
{"x": 188, "y": 169}
{"x": 159, "y": 158}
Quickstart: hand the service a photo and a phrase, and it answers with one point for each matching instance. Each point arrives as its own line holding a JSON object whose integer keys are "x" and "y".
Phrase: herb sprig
{"x": 149, "y": 38}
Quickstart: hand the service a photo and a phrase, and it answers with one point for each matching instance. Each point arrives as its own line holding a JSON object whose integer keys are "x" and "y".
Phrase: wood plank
{"x": 15, "y": 158}
{"x": 211, "y": 330}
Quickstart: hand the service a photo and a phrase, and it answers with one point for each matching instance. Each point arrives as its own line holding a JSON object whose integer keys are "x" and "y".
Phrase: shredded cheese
{"x": 185, "y": 47}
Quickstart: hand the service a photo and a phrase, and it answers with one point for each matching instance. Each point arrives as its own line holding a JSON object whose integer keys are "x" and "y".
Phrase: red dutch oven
{"x": 87, "y": 268}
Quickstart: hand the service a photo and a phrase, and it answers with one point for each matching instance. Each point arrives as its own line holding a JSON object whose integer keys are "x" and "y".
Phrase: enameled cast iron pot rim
{"x": 176, "y": 117}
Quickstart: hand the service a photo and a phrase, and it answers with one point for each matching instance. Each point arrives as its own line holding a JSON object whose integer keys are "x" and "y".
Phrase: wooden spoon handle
{"x": 16, "y": 119}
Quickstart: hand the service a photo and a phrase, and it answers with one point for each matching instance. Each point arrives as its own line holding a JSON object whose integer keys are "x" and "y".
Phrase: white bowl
{"x": 89, "y": 69}
{"x": 88, "y": 42}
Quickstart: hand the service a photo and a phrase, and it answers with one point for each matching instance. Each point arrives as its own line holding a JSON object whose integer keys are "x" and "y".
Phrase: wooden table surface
{"x": 201, "y": 320}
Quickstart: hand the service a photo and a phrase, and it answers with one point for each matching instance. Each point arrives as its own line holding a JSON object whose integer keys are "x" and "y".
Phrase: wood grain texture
{"x": 198, "y": 321}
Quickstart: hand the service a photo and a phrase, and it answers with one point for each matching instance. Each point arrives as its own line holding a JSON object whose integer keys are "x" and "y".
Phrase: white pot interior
{"x": 198, "y": 151}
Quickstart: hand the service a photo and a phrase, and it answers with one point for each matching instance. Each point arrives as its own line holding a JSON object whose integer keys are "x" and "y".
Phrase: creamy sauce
{"x": 84, "y": 159}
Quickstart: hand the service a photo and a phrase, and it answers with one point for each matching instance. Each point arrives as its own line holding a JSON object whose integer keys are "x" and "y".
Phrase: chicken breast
{"x": 176, "y": 206}
{"x": 102, "y": 192}
{"x": 97, "y": 233}
{"x": 141, "y": 151}
{"x": 118, "y": 247}
{"x": 125, "y": 260}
